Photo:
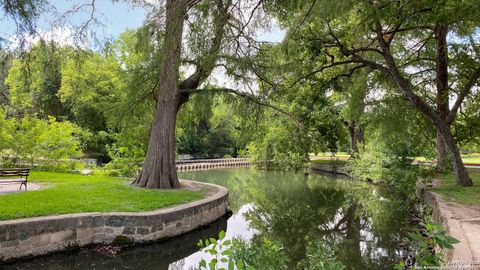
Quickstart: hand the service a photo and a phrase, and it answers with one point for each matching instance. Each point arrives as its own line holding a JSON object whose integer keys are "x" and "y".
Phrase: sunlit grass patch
{"x": 463, "y": 195}
{"x": 471, "y": 158}
{"x": 329, "y": 161}
{"x": 328, "y": 155}
{"x": 73, "y": 193}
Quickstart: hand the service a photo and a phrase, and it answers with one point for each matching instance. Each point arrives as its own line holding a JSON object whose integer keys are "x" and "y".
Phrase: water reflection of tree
{"x": 361, "y": 221}
{"x": 233, "y": 179}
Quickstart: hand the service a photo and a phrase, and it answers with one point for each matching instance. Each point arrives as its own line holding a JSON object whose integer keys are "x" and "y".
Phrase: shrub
{"x": 44, "y": 143}
{"x": 424, "y": 246}
{"x": 390, "y": 161}
{"x": 379, "y": 167}
{"x": 262, "y": 254}
{"x": 127, "y": 153}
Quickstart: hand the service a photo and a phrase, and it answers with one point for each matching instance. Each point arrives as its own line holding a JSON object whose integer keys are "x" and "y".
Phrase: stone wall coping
{"x": 220, "y": 192}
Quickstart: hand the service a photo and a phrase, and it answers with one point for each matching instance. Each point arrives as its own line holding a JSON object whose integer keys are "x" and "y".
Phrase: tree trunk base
{"x": 155, "y": 181}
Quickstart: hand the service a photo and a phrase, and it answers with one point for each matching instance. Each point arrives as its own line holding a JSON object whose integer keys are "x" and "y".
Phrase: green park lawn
{"x": 450, "y": 190}
{"x": 73, "y": 193}
{"x": 329, "y": 161}
{"x": 471, "y": 158}
{"x": 338, "y": 155}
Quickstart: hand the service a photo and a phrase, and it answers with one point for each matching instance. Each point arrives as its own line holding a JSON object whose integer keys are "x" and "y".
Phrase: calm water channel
{"x": 364, "y": 223}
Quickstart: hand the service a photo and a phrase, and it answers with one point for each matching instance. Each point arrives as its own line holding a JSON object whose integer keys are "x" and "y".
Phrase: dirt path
{"x": 14, "y": 187}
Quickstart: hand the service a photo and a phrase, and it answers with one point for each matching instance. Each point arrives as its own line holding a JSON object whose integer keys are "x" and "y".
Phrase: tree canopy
{"x": 374, "y": 78}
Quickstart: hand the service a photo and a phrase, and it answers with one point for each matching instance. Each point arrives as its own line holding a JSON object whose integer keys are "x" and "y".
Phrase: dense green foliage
{"x": 367, "y": 77}
{"x": 426, "y": 244}
{"x": 108, "y": 95}
{"x": 261, "y": 254}
{"x": 45, "y": 143}
{"x": 389, "y": 151}
{"x": 73, "y": 193}
{"x": 317, "y": 90}
{"x": 34, "y": 80}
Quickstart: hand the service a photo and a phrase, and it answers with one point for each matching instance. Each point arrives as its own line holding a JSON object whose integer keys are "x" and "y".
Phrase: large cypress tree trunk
{"x": 159, "y": 170}
{"x": 357, "y": 137}
{"x": 442, "y": 154}
{"x": 441, "y": 68}
{"x": 458, "y": 166}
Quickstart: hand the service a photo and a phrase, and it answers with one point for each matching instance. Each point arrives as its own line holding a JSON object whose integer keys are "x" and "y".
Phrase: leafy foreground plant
{"x": 423, "y": 244}
{"x": 263, "y": 254}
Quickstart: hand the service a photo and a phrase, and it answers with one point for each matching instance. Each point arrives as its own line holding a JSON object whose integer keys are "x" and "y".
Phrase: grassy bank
{"x": 329, "y": 161}
{"x": 471, "y": 158}
{"x": 72, "y": 193}
{"x": 325, "y": 155}
{"x": 451, "y": 191}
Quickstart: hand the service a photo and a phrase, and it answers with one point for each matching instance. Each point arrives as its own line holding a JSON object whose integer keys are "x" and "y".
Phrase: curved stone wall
{"x": 43, "y": 235}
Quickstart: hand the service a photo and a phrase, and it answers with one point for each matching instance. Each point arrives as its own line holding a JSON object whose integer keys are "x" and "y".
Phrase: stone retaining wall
{"x": 333, "y": 168}
{"x": 209, "y": 164}
{"x": 461, "y": 222}
{"x": 430, "y": 199}
{"x": 43, "y": 235}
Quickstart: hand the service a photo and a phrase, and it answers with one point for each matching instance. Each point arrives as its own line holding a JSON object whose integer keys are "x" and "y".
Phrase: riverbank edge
{"x": 23, "y": 238}
{"x": 461, "y": 252}
{"x": 331, "y": 168}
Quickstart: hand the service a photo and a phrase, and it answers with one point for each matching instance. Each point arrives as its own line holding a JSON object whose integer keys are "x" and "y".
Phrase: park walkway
{"x": 461, "y": 222}
{"x": 14, "y": 187}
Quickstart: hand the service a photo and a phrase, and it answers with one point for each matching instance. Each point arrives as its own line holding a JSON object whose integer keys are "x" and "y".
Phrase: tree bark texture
{"x": 159, "y": 170}
{"x": 441, "y": 69}
{"x": 357, "y": 136}
{"x": 442, "y": 154}
{"x": 452, "y": 148}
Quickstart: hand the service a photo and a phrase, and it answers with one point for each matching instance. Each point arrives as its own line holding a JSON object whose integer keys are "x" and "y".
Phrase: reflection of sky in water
{"x": 237, "y": 227}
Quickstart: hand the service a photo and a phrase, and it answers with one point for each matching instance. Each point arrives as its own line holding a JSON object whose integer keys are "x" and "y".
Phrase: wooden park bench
{"x": 10, "y": 176}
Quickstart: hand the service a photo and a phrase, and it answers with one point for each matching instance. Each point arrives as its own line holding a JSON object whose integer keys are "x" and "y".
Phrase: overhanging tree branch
{"x": 245, "y": 95}
{"x": 463, "y": 93}
{"x": 207, "y": 62}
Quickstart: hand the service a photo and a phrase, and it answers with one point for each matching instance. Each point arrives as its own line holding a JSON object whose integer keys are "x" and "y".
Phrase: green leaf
{"x": 239, "y": 265}
{"x": 213, "y": 263}
{"x": 213, "y": 241}
{"x": 203, "y": 263}
{"x": 221, "y": 235}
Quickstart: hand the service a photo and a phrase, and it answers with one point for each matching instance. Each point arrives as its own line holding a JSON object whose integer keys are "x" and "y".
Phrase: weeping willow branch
{"x": 250, "y": 97}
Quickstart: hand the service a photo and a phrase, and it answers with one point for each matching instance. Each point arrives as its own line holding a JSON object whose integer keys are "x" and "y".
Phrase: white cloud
{"x": 63, "y": 36}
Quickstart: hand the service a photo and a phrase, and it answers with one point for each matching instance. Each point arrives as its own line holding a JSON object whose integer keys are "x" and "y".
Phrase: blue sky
{"x": 116, "y": 17}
